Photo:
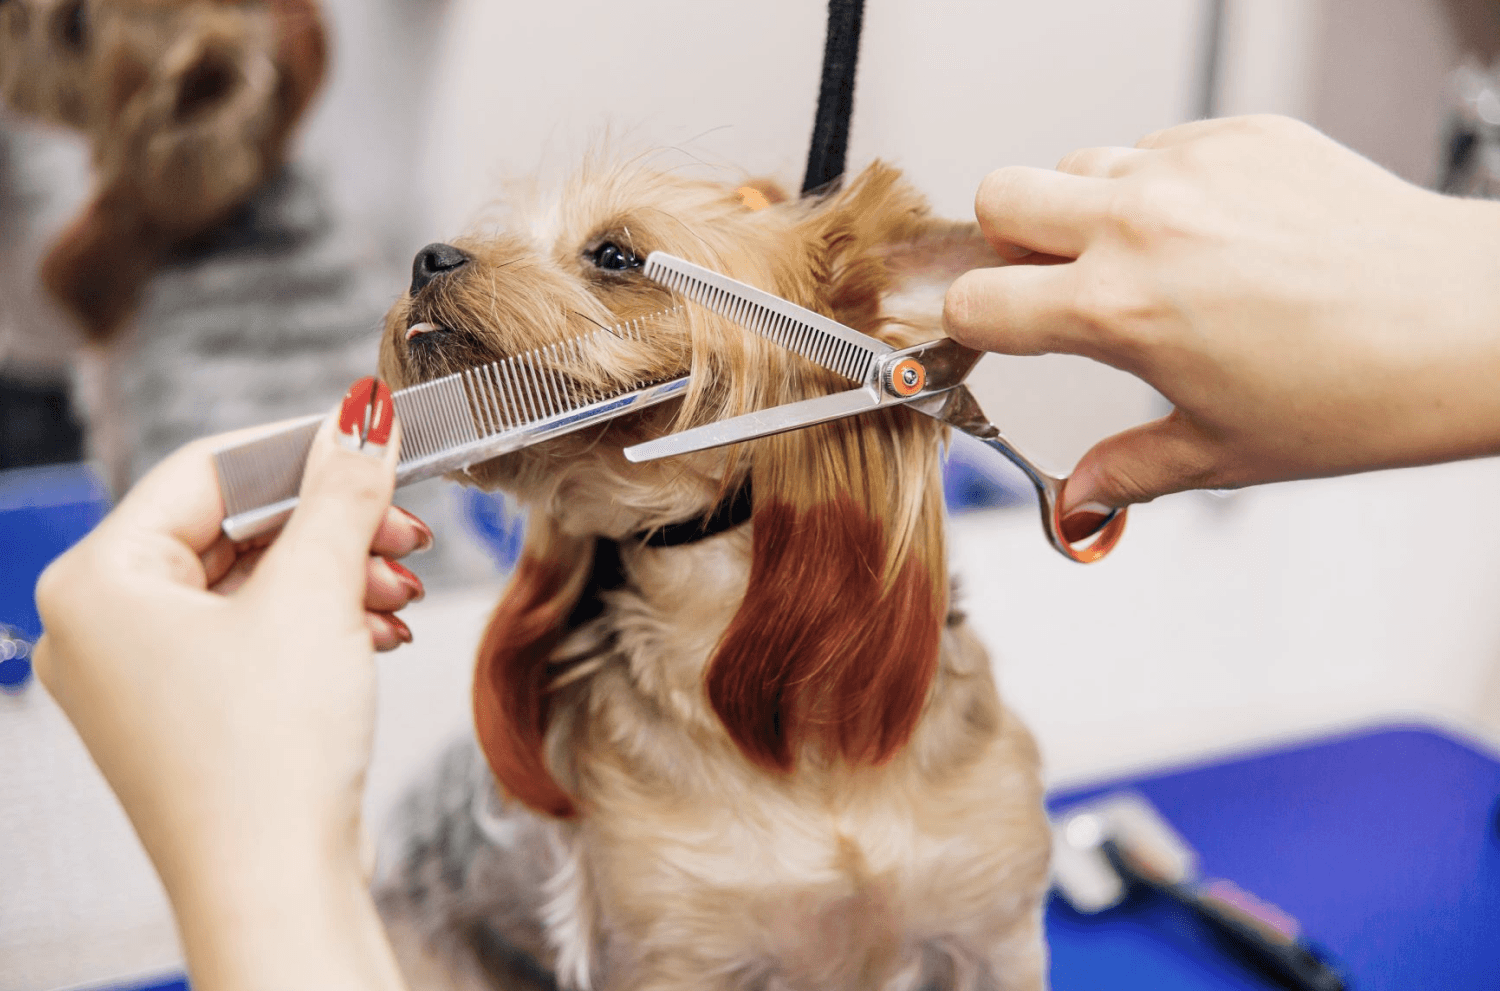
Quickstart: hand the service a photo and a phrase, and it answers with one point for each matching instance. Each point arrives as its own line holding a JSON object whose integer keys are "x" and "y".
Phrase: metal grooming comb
{"x": 820, "y": 340}
{"x": 447, "y": 424}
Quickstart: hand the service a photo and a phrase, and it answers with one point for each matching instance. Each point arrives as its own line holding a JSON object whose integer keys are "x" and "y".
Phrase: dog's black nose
{"x": 435, "y": 260}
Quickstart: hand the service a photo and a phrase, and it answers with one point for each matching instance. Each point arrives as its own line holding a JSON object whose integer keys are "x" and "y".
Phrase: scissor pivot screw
{"x": 907, "y": 377}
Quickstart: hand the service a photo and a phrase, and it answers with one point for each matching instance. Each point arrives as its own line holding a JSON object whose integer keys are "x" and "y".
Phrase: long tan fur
{"x": 773, "y": 758}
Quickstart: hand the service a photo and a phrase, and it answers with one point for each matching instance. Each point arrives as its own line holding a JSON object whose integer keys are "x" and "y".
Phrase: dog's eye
{"x": 610, "y": 257}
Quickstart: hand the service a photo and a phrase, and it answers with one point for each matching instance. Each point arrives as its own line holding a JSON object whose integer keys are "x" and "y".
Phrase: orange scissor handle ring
{"x": 1091, "y": 548}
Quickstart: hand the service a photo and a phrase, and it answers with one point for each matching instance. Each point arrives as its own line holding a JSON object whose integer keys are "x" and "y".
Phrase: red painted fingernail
{"x": 412, "y": 582}
{"x": 367, "y": 416}
{"x": 402, "y": 630}
{"x": 424, "y": 532}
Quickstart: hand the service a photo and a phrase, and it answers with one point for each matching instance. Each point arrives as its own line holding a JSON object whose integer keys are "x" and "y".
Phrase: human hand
{"x": 228, "y": 692}
{"x": 1306, "y": 312}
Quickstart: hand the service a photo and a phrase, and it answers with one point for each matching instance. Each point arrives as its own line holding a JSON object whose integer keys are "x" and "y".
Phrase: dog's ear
{"x": 511, "y": 675}
{"x": 301, "y": 55}
{"x": 192, "y": 135}
{"x": 872, "y": 256}
{"x": 836, "y": 643}
{"x": 919, "y": 270}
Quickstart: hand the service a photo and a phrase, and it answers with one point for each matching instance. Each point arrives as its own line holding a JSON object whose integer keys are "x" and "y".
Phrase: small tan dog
{"x": 773, "y": 757}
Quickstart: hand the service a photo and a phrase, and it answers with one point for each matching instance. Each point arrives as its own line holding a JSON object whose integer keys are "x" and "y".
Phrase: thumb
{"x": 346, "y": 489}
{"x": 1154, "y": 459}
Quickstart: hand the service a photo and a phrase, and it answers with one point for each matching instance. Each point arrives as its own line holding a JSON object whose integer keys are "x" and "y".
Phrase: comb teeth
{"x": 254, "y": 474}
{"x": 450, "y": 422}
{"x": 513, "y": 392}
{"x": 480, "y": 403}
{"x": 822, "y": 341}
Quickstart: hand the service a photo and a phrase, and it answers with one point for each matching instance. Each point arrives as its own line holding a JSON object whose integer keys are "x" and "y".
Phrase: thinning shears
{"x": 928, "y": 378}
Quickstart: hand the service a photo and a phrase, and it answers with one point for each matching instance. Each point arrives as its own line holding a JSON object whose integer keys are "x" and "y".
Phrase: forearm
{"x": 283, "y": 916}
{"x": 1455, "y": 370}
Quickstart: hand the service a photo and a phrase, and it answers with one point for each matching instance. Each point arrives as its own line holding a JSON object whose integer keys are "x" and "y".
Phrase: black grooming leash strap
{"x": 830, "y": 137}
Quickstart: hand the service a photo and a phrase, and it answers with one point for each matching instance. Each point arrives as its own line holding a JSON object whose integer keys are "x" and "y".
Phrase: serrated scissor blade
{"x": 822, "y": 341}
{"x": 761, "y": 423}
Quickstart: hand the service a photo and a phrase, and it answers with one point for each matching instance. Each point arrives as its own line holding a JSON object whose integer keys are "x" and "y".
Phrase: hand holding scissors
{"x": 928, "y": 378}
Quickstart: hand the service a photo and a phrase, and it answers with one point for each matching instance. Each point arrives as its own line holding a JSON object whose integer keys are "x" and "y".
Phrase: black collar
{"x": 608, "y": 571}
{"x": 734, "y": 510}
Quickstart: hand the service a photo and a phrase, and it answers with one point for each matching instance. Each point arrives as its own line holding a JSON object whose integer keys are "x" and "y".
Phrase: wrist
{"x": 1419, "y": 363}
{"x": 1473, "y": 403}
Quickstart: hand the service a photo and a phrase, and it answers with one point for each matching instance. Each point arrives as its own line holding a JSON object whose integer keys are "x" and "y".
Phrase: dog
{"x": 772, "y": 757}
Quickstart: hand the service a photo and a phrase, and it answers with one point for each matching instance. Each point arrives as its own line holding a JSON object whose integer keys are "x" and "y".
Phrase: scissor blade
{"x": 822, "y": 341}
{"x": 761, "y": 423}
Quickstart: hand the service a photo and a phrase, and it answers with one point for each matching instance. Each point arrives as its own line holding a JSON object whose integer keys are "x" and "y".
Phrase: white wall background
{"x": 1219, "y": 623}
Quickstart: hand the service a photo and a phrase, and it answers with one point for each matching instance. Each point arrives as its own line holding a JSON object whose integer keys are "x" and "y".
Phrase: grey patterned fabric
{"x": 269, "y": 317}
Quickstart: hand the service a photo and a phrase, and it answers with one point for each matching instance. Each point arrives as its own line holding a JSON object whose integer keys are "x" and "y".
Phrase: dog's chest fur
{"x": 690, "y": 859}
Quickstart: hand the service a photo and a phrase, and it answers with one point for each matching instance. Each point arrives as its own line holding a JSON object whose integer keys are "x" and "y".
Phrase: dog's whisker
{"x": 703, "y": 134}
{"x": 689, "y": 231}
{"x": 590, "y": 319}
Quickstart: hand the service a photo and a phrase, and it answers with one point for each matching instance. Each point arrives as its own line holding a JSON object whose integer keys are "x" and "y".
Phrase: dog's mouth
{"x": 424, "y": 333}
{"x": 435, "y": 348}
{"x": 423, "y": 328}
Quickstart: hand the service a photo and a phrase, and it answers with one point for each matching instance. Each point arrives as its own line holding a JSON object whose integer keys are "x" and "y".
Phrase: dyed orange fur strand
{"x": 511, "y": 700}
{"x": 821, "y": 653}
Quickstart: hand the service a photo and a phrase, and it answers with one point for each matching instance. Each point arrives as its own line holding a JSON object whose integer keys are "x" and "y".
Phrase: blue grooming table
{"x": 43, "y": 512}
{"x": 1383, "y": 844}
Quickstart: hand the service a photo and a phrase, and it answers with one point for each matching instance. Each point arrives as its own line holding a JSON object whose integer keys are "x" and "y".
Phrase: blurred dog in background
{"x": 187, "y": 106}
{"x": 766, "y": 752}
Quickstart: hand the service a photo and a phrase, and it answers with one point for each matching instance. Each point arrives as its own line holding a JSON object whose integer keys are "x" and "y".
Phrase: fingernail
{"x": 412, "y": 582}
{"x": 402, "y": 630}
{"x": 1084, "y": 521}
{"x": 366, "y": 417}
{"x": 424, "y": 532}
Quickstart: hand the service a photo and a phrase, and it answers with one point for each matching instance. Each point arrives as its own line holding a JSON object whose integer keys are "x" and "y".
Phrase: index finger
{"x": 1045, "y": 211}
